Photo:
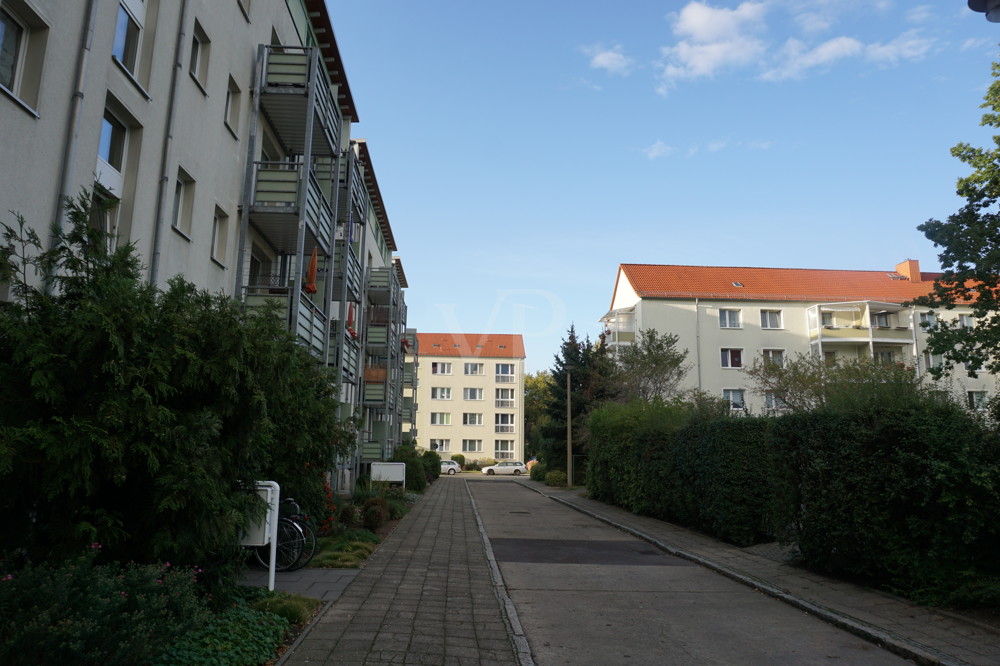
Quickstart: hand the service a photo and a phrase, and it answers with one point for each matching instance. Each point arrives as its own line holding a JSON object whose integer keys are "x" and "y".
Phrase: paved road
{"x": 586, "y": 593}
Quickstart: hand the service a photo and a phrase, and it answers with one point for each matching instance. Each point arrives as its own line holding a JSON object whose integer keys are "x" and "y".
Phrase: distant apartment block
{"x": 471, "y": 395}
{"x": 726, "y": 317}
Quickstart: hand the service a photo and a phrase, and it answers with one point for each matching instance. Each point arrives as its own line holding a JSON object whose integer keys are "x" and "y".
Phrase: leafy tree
{"x": 140, "y": 419}
{"x": 537, "y": 396}
{"x": 590, "y": 370}
{"x": 970, "y": 257}
{"x": 806, "y": 383}
{"x": 651, "y": 367}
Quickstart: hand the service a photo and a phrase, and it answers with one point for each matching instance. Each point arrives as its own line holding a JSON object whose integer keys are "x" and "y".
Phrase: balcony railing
{"x": 312, "y": 326}
{"x": 504, "y": 429}
{"x": 505, "y": 379}
{"x": 505, "y": 404}
{"x": 289, "y": 72}
{"x": 277, "y": 191}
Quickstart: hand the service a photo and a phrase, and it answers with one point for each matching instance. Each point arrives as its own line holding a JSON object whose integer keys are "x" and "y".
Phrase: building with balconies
{"x": 223, "y": 129}
{"x": 725, "y": 317}
{"x": 470, "y": 390}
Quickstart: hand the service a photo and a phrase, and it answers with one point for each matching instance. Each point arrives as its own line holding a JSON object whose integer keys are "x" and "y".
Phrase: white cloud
{"x": 796, "y": 59}
{"x": 920, "y": 14}
{"x": 658, "y": 149}
{"x": 613, "y": 60}
{"x": 759, "y": 145}
{"x": 908, "y": 46}
{"x": 712, "y": 39}
{"x": 716, "y": 146}
{"x": 976, "y": 43}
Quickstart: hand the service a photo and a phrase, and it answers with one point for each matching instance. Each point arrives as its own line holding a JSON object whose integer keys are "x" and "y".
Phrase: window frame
{"x": 440, "y": 418}
{"x": 472, "y": 418}
{"x": 231, "y": 118}
{"x": 220, "y": 236}
{"x": 769, "y": 353}
{"x": 199, "y": 55}
{"x": 29, "y": 56}
{"x": 438, "y": 393}
{"x": 126, "y": 53}
{"x": 479, "y": 366}
{"x": 440, "y": 368}
{"x": 771, "y": 401}
{"x": 472, "y": 446}
{"x": 474, "y": 391}
{"x": 725, "y": 319}
{"x": 726, "y": 358}
{"x": 765, "y": 325}
{"x": 503, "y": 453}
{"x": 19, "y": 50}
{"x": 728, "y": 393}
{"x": 976, "y": 404}
{"x": 183, "y": 215}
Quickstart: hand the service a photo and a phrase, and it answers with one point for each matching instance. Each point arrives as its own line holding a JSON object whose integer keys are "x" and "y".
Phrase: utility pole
{"x": 569, "y": 432}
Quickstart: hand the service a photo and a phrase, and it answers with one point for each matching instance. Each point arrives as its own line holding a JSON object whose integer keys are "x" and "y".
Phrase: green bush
{"x": 473, "y": 466}
{"x": 82, "y": 613}
{"x": 237, "y": 636}
{"x": 397, "y": 509}
{"x": 374, "y": 513}
{"x": 416, "y": 470}
{"x": 459, "y": 458}
{"x": 348, "y": 516}
{"x": 538, "y": 471}
{"x": 555, "y": 478}
{"x": 432, "y": 464}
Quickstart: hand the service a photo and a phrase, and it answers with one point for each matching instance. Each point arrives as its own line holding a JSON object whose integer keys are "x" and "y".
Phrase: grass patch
{"x": 344, "y": 551}
{"x": 293, "y": 607}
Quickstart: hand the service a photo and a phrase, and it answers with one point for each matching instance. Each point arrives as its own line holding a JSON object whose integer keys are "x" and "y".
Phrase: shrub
{"x": 432, "y": 464}
{"x": 459, "y": 458}
{"x": 365, "y": 489}
{"x": 555, "y": 478}
{"x": 374, "y": 513}
{"x": 473, "y": 465}
{"x": 538, "y": 471}
{"x": 348, "y": 515}
{"x": 397, "y": 509}
{"x": 416, "y": 471}
{"x": 236, "y": 636}
{"x": 82, "y": 613}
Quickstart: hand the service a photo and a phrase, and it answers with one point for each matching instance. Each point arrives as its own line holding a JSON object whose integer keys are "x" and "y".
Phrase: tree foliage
{"x": 537, "y": 396}
{"x": 651, "y": 367}
{"x": 140, "y": 418}
{"x": 970, "y": 257}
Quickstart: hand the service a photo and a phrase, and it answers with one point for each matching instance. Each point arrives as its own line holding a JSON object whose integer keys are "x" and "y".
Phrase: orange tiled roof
{"x": 778, "y": 284}
{"x": 486, "y": 345}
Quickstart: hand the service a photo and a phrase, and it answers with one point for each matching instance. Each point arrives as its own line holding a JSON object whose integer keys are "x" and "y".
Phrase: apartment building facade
{"x": 223, "y": 130}
{"x": 470, "y": 392}
{"x": 726, "y": 317}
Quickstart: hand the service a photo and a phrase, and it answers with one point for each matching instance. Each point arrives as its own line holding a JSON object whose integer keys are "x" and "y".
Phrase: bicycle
{"x": 296, "y": 544}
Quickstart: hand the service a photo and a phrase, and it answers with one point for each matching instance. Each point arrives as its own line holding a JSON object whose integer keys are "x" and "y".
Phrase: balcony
{"x": 310, "y": 324}
{"x": 505, "y": 404}
{"x": 501, "y": 429}
{"x": 296, "y": 96}
{"x": 346, "y": 267}
{"x": 283, "y": 194}
{"x": 383, "y": 286}
{"x": 347, "y": 355}
{"x": 505, "y": 379}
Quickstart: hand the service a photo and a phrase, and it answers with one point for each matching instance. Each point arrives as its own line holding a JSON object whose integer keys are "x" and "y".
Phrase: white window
{"x": 440, "y": 368}
{"x": 503, "y": 449}
{"x": 966, "y": 321}
{"x": 473, "y": 368}
{"x": 880, "y": 319}
{"x": 505, "y": 373}
{"x": 472, "y": 419}
{"x": 220, "y": 235}
{"x": 505, "y": 398}
{"x": 770, "y": 318}
{"x": 128, "y": 31}
{"x": 729, "y": 318}
{"x": 111, "y": 152}
{"x": 472, "y": 394}
{"x": 977, "y": 399}
{"x": 441, "y": 445}
{"x": 774, "y": 357}
{"x": 732, "y": 358}
{"x": 927, "y": 319}
{"x": 932, "y": 360}
{"x": 826, "y": 319}
{"x": 198, "y": 67}
{"x": 183, "y": 203}
{"x": 771, "y": 401}
{"x": 233, "y": 97}
{"x": 734, "y": 397}
{"x": 504, "y": 423}
{"x": 440, "y": 418}
{"x": 12, "y": 41}
{"x": 440, "y": 393}
{"x": 884, "y": 357}
{"x": 472, "y": 446}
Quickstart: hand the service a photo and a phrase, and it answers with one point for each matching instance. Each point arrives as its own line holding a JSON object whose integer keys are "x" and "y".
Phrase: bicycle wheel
{"x": 308, "y": 545}
{"x": 288, "y": 549}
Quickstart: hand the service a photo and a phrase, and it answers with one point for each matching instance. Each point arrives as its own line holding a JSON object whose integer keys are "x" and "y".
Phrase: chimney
{"x": 910, "y": 269}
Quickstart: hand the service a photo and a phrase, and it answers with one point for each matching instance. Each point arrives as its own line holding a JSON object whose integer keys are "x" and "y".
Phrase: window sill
{"x": 219, "y": 264}
{"x": 198, "y": 83}
{"x": 243, "y": 8}
{"x": 231, "y": 130}
{"x": 181, "y": 233}
{"x": 131, "y": 78}
{"x": 21, "y": 103}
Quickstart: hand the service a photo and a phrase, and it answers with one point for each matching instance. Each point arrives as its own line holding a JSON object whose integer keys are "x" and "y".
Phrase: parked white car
{"x": 506, "y": 467}
{"x": 450, "y": 467}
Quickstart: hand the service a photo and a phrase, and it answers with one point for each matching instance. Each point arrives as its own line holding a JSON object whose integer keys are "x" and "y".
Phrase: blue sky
{"x": 525, "y": 149}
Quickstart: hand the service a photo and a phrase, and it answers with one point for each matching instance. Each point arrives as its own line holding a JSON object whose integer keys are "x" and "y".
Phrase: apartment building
{"x": 223, "y": 130}
{"x": 470, "y": 392}
{"x": 726, "y": 317}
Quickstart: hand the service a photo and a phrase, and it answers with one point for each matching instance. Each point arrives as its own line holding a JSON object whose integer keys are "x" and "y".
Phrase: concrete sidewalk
{"x": 432, "y": 594}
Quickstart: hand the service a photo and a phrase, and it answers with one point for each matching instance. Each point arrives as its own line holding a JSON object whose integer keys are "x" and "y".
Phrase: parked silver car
{"x": 450, "y": 467}
{"x": 506, "y": 467}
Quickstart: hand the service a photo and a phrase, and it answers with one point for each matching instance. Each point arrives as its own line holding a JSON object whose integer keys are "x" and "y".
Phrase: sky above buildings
{"x": 526, "y": 148}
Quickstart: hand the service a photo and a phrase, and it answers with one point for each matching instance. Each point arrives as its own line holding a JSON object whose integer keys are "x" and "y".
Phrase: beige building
{"x": 470, "y": 395}
{"x": 726, "y": 317}
{"x": 223, "y": 127}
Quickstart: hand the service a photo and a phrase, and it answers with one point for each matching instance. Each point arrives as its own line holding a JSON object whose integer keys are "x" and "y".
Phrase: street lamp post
{"x": 569, "y": 433}
{"x": 989, "y": 7}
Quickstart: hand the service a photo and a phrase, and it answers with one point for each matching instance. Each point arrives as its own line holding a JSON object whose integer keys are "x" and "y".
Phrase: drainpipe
{"x": 167, "y": 152}
{"x": 697, "y": 341}
{"x": 73, "y": 126}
